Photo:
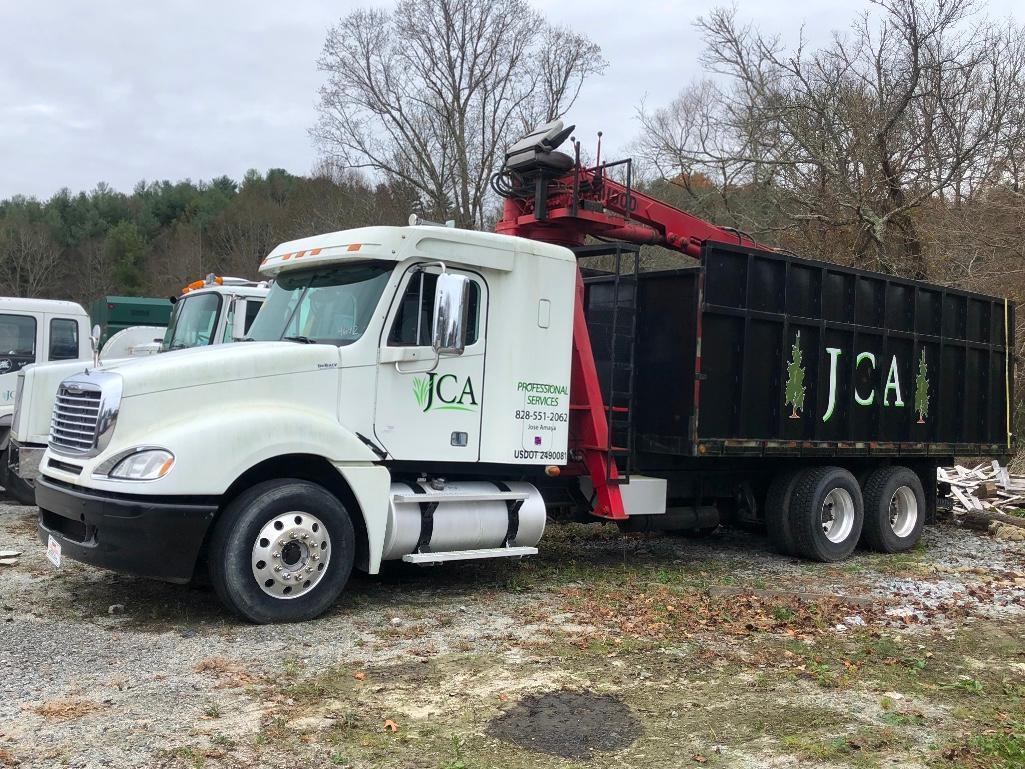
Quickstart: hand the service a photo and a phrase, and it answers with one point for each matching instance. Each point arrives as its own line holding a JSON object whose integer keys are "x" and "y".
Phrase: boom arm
{"x": 550, "y": 197}
{"x": 567, "y": 208}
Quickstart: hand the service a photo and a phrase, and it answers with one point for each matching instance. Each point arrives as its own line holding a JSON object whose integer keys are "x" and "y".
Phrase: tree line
{"x": 163, "y": 235}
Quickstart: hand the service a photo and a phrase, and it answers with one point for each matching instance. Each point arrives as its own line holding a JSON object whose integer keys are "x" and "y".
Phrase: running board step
{"x": 468, "y": 555}
{"x": 497, "y": 496}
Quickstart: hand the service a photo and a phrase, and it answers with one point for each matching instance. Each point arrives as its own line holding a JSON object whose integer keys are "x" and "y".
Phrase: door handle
{"x": 403, "y": 354}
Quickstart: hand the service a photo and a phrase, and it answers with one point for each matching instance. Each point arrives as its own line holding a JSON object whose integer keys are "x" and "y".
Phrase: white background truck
{"x": 210, "y": 311}
{"x": 36, "y": 331}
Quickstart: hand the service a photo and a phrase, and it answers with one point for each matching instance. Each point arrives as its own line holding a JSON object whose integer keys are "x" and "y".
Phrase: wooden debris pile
{"x": 985, "y": 496}
{"x": 9, "y": 557}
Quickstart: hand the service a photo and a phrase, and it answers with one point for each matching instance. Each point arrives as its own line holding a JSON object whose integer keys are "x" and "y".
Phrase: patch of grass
{"x": 970, "y": 685}
{"x": 213, "y": 710}
{"x": 783, "y": 613}
{"x": 1004, "y": 750}
{"x": 188, "y": 754}
{"x": 903, "y": 719}
{"x": 457, "y": 761}
{"x": 223, "y": 741}
{"x": 823, "y": 750}
{"x": 861, "y": 748}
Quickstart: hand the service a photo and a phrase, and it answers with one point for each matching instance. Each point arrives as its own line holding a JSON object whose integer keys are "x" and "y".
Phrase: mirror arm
{"x": 422, "y": 266}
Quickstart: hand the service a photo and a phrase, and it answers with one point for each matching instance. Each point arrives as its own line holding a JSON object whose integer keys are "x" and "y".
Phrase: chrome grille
{"x": 76, "y": 417}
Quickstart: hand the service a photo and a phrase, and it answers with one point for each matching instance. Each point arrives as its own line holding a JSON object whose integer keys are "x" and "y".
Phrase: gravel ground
{"x": 109, "y": 671}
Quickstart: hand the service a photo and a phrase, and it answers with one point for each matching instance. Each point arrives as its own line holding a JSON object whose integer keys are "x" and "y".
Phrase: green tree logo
{"x": 421, "y": 390}
{"x": 795, "y": 379}
{"x": 922, "y": 390}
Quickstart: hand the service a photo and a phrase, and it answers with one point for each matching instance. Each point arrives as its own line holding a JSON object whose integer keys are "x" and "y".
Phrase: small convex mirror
{"x": 451, "y": 299}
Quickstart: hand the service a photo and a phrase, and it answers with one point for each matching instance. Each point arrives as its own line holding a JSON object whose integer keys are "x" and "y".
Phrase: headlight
{"x": 146, "y": 465}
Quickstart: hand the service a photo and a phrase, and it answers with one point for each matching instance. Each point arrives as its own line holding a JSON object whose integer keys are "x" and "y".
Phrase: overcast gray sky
{"x": 119, "y": 91}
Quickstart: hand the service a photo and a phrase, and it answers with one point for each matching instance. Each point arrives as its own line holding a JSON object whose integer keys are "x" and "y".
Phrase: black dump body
{"x": 766, "y": 354}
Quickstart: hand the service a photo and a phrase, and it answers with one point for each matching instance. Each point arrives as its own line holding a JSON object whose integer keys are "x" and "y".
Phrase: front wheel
{"x": 281, "y": 552}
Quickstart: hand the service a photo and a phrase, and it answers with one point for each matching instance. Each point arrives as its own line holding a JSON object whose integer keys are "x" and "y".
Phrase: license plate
{"x": 53, "y": 551}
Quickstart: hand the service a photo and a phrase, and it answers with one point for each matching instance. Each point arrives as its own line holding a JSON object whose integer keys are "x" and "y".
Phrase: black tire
{"x": 879, "y": 491}
{"x": 231, "y": 555}
{"x": 777, "y": 511}
{"x": 807, "y": 508}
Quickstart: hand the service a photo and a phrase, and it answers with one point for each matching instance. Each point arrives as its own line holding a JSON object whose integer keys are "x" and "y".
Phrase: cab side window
{"x": 63, "y": 339}
{"x": 412, "y": 326}
{"x": 252, "y": 307}
{"x": 17, "y": 342}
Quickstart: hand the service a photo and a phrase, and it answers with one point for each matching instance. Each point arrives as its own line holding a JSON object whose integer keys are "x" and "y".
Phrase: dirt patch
{"x": 66, "y": 708}
{"x": 568, "y": 724}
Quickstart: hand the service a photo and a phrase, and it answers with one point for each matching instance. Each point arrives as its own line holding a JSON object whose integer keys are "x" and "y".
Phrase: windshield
{"x": 194, "y": 322}
{"x": 328, "y": 305}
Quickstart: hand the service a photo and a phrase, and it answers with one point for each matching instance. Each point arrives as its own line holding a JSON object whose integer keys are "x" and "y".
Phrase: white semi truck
{"x": 381, "y": 354}
{"x": 412, "y": 392}
{"x": 210, "y": 311}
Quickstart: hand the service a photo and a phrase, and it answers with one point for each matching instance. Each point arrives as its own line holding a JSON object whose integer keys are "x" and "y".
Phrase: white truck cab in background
{"x": 406, "y": 389}
{"x": 211, "y": 311}
{"x": 36, "y": 331}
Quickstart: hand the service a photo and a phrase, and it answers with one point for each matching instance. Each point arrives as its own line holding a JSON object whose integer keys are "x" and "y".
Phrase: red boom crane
{"x": 550, "y": 196}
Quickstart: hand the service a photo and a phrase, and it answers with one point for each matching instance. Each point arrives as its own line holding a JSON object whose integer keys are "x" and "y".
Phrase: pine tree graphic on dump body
{"x": 795, "y": 379}
{"x": 922, "y": 390}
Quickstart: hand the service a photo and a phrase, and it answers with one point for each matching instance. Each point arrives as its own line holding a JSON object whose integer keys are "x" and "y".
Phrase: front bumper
{"x": 19, "y": 476}
{"x": 148, "y": 536}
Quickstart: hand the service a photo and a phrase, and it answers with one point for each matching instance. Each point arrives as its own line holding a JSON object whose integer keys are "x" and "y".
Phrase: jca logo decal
{"x": 444, "y": 392}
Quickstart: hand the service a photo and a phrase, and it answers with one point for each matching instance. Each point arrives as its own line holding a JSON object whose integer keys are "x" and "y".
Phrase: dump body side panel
{"x": 766, "y": 354}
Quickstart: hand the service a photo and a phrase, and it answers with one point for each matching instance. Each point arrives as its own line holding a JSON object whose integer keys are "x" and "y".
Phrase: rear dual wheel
{"x": 894, "y": 509}
{"x": 820, "y": 513}
{"x": 827, "y": 514}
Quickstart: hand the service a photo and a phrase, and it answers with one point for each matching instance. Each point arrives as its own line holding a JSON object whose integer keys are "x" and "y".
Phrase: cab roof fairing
{"x": 462, "y": 247}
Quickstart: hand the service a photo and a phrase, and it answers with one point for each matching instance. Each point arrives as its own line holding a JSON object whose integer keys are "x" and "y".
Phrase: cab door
{"x": 429, "y": 408}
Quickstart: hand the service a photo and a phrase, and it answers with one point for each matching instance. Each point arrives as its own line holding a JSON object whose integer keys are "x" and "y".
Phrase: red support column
{"x": 589, "y": 428}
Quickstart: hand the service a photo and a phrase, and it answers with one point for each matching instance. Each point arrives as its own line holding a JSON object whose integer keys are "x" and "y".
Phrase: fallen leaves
{"x": 360, "y": 676}
{"x": 66, "y": 708}
{"x": 391, "y": 726}
{"x": 661, "y": 612}
{"x": 229, "y": 674}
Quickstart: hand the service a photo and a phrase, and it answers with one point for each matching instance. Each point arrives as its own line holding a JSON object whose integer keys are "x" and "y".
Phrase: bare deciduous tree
{"x": 430, "y": 93}
{"x": 920, "y": 100}
{"x": 29, "y": 259}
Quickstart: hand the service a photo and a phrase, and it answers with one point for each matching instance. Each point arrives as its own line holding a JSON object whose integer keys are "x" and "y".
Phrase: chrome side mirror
{"x": 94, "y": 343}
{"x": 451, "y": 301}
{"x": 238, "y": 319}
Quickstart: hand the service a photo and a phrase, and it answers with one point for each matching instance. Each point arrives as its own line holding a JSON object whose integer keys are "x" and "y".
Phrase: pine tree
{"x": 795, "y": 379}
{"x": 922, "y": 390}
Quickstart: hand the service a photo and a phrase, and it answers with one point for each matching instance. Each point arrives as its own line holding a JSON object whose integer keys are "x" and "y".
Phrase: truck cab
{"x": 211, "y": 311}
{"x": 36, "y": 331}
{"x": 404, "y": 390}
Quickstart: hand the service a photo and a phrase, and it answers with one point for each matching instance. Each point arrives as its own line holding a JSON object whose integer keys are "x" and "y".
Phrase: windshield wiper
{"x": 300, "y": 339}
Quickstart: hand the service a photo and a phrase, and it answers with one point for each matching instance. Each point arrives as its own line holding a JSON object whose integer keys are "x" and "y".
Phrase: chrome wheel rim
{"x": 903, "y": 511}
{"x": 837, "y": 515}
{"x": 291, "y": 554}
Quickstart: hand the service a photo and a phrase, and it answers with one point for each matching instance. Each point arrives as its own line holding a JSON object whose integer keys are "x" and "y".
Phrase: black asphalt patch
{"x": 568, "y": 724}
